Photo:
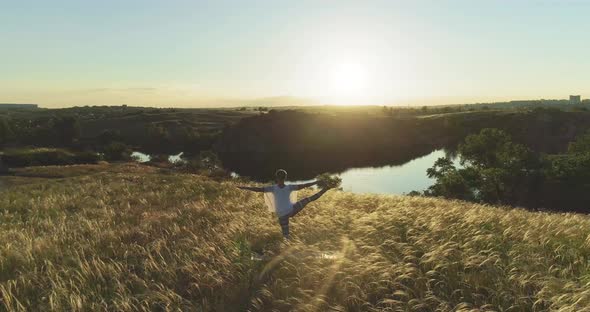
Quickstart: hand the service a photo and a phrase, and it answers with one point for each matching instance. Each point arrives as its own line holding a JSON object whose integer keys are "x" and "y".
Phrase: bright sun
{"x": 348, "y": 82}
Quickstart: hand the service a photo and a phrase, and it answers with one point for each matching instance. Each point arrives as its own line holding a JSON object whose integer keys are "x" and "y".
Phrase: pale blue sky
{"x": 208, "y": 53}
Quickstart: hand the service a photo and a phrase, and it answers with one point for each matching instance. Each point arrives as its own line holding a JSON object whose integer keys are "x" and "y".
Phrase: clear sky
{"x": 211, "y": 53}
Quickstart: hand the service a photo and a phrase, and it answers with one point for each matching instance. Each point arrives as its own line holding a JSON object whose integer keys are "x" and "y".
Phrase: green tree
{"x": 580, "y": 145}
{"x": 158, "y": 136}
{"x": 450, "y": 181}
{"x": 5, "y": 131}
{"x": 484, "y": 149}
{"x": 108, "y": 136}
{"x": 496, "y": 170}
{"x": 67, "y": 129}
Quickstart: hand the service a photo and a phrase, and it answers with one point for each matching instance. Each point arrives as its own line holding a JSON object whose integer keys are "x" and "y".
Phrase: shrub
{"x": 159, "y": 158}
{"x": 206, "y": 163}
{"x": 117, "y": 151}
{"x": 47, "y": 157}
{"x": 325, "y": 180}
{"x": 87, "y": 157}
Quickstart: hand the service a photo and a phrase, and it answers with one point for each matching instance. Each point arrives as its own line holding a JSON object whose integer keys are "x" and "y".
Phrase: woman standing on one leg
{"x": 280, "y": 198}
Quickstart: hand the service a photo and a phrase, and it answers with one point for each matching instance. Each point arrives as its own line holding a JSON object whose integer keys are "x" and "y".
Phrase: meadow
{"x": 128, "y": 237}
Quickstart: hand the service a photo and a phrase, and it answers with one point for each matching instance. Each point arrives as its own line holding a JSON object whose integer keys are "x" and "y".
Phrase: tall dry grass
{"x": 132, "y": 238}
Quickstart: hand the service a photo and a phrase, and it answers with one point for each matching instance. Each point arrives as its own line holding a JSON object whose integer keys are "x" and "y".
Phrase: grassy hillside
{"x": 128, "y": 237}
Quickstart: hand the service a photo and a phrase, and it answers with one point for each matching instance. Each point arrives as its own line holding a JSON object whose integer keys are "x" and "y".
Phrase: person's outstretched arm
{"x": 304, "y": 185}
{"x": 252, "y": 188}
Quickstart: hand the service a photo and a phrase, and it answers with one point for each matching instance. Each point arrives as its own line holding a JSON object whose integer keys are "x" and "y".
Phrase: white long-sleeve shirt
{"x": 280, "y": 199}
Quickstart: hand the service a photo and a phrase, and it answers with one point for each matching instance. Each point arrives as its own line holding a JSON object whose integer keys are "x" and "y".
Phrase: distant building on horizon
{"x": 16, "y": 105}
{"x": 575, "y": 99}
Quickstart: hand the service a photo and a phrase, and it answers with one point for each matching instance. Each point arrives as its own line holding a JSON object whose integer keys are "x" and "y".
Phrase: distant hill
{"x": 17, "y": 105}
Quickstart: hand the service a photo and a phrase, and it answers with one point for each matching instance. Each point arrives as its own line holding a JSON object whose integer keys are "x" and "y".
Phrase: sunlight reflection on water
{"x": 401, "y": 179}
{"x": 142, "y": 157}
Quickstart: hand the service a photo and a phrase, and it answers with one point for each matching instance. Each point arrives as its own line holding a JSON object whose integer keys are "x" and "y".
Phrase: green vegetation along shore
{"x": 128, "y": 237}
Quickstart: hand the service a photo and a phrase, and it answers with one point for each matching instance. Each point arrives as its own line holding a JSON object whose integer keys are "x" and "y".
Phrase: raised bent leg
{"x": 298, "y": 206}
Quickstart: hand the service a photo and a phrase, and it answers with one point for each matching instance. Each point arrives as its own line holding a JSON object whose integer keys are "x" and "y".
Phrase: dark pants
{"x": 297, "y": 207}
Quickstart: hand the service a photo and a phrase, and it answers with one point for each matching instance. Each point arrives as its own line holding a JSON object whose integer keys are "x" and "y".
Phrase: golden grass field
{"x": 128, "y": 237}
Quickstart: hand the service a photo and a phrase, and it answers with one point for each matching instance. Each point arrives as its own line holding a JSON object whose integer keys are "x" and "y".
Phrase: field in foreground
{"x": 129, "y": 237}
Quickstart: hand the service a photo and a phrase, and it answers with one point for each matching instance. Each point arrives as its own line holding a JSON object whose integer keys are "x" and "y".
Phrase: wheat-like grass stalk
{"x": 131, "y": 238}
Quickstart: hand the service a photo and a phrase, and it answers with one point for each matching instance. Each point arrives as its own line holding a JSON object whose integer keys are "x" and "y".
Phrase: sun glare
{"x": 348, "y": 82}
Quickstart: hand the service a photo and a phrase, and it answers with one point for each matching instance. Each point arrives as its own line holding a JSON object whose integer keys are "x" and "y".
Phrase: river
{"x": 402, "y": 179}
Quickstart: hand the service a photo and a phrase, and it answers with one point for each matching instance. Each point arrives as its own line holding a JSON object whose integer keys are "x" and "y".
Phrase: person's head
{"x": 281, "y": 176}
